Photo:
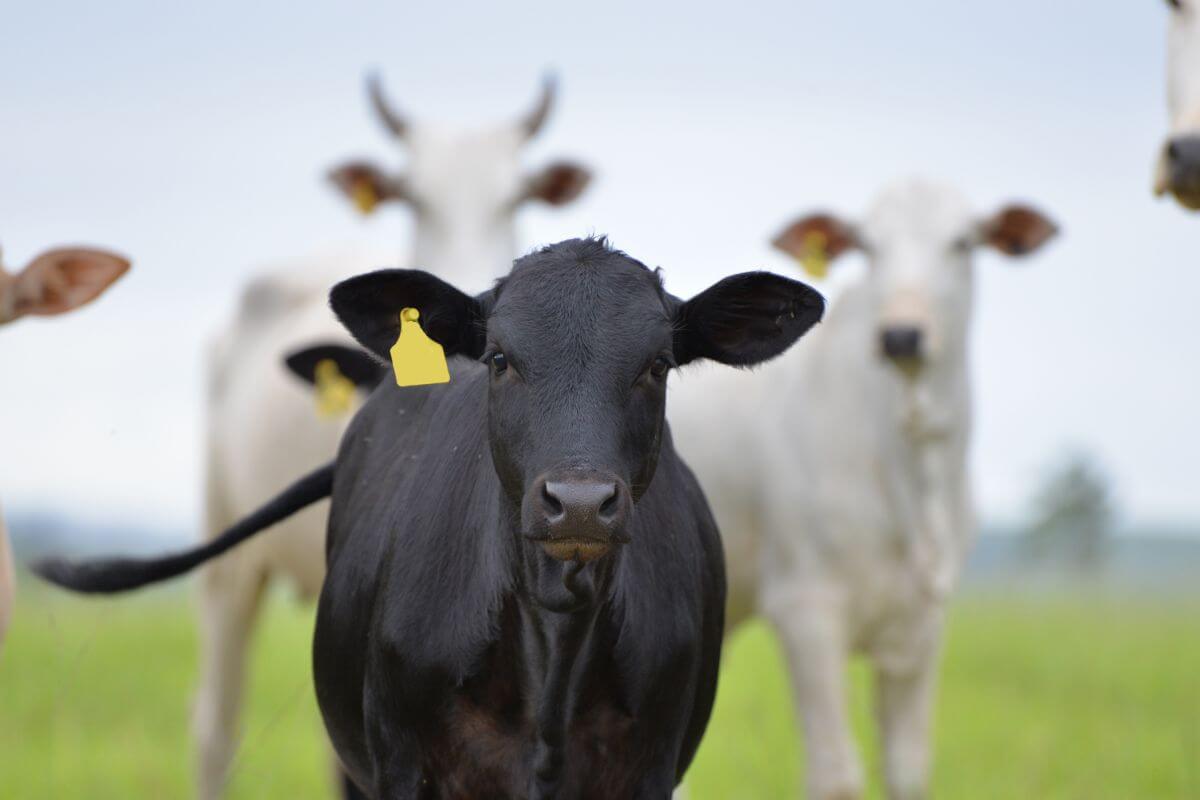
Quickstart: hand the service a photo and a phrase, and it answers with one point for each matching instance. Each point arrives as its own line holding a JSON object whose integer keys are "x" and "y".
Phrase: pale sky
{"x": 194, "y": 138}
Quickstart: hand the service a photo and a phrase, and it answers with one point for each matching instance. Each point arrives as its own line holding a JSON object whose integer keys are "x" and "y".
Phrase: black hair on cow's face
{"x": 578, "y": 341}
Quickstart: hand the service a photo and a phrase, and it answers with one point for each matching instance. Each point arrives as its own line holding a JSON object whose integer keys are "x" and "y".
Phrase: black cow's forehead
{"x": 576, "y": 288}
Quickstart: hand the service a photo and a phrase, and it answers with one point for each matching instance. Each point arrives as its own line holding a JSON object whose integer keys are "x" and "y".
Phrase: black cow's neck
{"x": 555, "y": 655}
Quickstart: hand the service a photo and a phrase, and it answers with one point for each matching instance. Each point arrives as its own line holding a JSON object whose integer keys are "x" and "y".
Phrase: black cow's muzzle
{"x": 577, "y": 515}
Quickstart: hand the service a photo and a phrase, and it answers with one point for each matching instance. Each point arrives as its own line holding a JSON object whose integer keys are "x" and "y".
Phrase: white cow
{"x": 839, "y": 478}
{"x": 464, "y": 188}
{"x": 1178, "y": 169}
{"x": 55, "y": 282}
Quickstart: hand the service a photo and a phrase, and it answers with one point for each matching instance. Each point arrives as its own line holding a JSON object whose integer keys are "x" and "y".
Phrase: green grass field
{"x": 1042, "y": 697}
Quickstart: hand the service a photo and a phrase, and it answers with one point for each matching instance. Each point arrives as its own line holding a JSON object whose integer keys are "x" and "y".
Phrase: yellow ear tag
{"x": 364, "y": 197}
{"x": 335, "y": 392}
{"x": 814, "y": 257}
{"x": 417, "y": 360}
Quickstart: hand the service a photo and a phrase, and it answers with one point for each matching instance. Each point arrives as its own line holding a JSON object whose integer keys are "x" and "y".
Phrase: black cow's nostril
{"x": 610, "y": 507}
{"x": 1172, "y": 151}
{"x": 554, "y": 508}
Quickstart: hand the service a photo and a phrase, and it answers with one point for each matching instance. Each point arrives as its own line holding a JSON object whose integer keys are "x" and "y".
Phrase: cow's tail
{"x": 106, "y": 576}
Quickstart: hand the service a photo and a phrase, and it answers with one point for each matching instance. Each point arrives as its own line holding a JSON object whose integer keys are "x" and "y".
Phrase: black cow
{"x": 525, "y": 590}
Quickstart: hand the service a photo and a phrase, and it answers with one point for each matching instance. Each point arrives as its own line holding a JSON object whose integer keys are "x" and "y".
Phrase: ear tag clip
{"x": 335, "y": 392}
{"x": 364, "y": 197}
{"x": 815, "y": 257}
{"x": 417, "y": 360}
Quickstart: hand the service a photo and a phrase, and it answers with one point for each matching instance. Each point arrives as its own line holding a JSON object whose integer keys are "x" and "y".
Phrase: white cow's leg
{"x": 229, "y": 602}
{"x": 813, "y": 638}
{"x": 904, "y": 707}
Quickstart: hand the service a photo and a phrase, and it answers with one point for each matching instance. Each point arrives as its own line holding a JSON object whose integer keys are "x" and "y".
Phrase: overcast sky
{"x": 194, "y": 138}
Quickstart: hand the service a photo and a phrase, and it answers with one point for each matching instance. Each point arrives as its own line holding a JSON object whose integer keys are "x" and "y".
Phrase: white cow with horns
{"x": 839, "y": 477}
{"x": 1178, "y": 169}
{"x": 464, "y": 188}
{"x": 55, "y": 282}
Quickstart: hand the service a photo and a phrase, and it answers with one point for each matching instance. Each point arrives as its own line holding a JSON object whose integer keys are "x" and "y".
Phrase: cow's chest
{"x": 483, "y": 740}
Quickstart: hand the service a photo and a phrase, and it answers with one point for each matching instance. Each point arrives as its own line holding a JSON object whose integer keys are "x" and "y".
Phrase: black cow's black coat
{"x": 429, "y": 660}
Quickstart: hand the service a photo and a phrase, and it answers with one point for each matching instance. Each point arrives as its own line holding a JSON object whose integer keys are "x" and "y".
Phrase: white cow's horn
{"x": 393, "y": 120}
{"x": 536, "y": 118}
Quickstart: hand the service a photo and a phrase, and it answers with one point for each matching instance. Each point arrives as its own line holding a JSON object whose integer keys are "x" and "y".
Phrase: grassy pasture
{"x": 1048, "y": 696}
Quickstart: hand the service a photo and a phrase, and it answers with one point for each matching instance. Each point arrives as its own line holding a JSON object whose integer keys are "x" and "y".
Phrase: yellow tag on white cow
{"x": 417, "y": 360}
{"x": 335, "y": 392}
{"x": 363, "y": 194}
{"x": 815, "y": 257}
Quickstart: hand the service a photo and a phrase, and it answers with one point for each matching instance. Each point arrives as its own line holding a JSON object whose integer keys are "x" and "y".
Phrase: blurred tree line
{"x": 1073, "y": 515}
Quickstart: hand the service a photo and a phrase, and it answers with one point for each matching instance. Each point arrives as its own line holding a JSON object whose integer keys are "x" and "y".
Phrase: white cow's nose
{"x": 902, "y": 342}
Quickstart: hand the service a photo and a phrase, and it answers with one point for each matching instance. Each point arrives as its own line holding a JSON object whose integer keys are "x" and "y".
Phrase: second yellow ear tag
{"x": 815, "y": 257}
{"x": 417, "y": 360}
{"x": 335, "y": 392}
{"x": 364, "y": 196}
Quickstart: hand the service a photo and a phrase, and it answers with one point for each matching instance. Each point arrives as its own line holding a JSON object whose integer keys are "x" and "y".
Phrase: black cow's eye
{"x": 499, "y": 363}
{"x": 660, "y": 367}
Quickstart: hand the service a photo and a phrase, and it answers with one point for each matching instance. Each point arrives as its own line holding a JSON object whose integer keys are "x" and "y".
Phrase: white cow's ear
{"x": 559, "y": 183}
{"x": 1017, "y": 230}
{"x": 366, "y": 185}
{"x": 820, "y": 236}
{"x": 64, "y": 279}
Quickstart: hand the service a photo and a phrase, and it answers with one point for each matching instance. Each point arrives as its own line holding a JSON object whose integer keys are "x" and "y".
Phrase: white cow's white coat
{"x": 840, "y": 485}
{"x": 263, "y": 432}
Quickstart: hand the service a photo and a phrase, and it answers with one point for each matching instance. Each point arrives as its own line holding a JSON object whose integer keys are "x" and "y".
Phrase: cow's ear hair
{"x": 363, "y": 369}
{"x": 745, "y": 319}
{"x": 826, "y": 233}
{"x": 369, "y": 306}
{"x": 366, "y": 185}
{"x": 558, "y": 183}
{"x": 65, "y": 278}
{"x": 1017, "y": 230}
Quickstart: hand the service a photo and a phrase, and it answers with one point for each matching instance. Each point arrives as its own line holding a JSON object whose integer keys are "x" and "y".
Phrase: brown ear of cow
{"x": 559, "y": 183}
{"x": 366, "y": 185}
{"x": 797, "y": 239}
{"x": 66, "y": 278}
{"x": 1018, "y": 230}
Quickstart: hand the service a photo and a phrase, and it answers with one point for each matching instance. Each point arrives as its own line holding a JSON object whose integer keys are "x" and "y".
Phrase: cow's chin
{"x": 569, "y": 575}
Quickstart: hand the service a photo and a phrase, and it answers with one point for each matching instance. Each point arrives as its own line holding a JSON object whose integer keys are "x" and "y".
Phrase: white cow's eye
{"x": 499, "y": 363}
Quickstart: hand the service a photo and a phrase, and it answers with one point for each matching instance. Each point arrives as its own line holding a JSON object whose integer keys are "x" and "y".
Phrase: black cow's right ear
{"x": 363, "y": 369}
{"x": 745, "y": 319}
{"x": 370, "y": 305}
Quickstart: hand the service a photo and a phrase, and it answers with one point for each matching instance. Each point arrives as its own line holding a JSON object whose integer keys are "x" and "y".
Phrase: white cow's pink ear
{"x": 1018, "y": 230}
{"x": 821, "y": 235}
{"x": 559, "y": 183}
{"x": 64, "y": 279}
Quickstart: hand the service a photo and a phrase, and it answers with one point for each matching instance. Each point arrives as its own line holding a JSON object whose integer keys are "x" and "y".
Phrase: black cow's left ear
{"x": 363, "y": 369}
{"x": 745, "y": 319}
{"x": 370, "y": 305}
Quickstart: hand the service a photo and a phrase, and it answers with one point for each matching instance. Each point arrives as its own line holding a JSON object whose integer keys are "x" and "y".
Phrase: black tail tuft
{"x": 106, "y": 576}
